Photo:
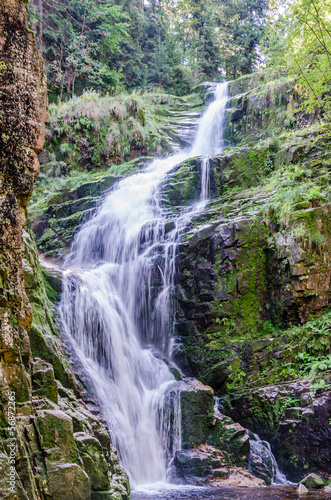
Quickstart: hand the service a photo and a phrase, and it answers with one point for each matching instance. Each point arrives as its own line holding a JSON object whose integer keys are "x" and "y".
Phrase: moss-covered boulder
{"x": 43, "y": 380}
{"x": 55, "y": 432}
{"x": 313, "y": 481}
{"x": 68, "y": 480}
{"x": 95, "y": 465}
{"x": 197, "y": 410}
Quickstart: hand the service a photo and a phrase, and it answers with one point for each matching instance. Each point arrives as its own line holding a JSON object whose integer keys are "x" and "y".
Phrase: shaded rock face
{"x": 299, "y": 433}
{"x": 214, "y": 447}
{"x": 235, "y": 277}
{"x": 246, "y": 277}
{"x": 265, "y": 103}
{"x": 232, "y": 278}
{"x": 61, "y": 450}
{"x": 23, "y": 111}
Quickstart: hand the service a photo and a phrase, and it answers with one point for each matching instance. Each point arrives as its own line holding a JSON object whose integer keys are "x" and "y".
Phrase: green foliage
{"x": 76, "y": 38}
{"x": 128, "y": 43}
{"x": 298, "y": 38}
{"x": 95, "y": 131}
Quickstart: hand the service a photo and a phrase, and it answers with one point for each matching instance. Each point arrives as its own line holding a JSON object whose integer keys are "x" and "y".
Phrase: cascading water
{"x": 261, "y": 458}
{"x": 115, "y": 305}
{"x": 261, "y": 452}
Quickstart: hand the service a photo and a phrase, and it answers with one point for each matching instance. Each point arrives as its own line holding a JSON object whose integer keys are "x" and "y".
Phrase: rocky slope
{"x": 92, "y": 142}
{"x": 60, "y": 448}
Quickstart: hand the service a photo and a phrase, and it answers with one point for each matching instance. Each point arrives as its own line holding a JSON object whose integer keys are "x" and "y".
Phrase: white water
{"x": 262, "y": 449}
{"x": 116, "y": 305}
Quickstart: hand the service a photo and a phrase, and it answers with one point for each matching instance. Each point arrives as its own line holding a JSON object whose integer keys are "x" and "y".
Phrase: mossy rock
{"x": 95, "y": 465}
{"x": 68, "y": 480}
{"x": 55, "y": 431}
{"x": 43, "y": 380}
{"x": 197, "y": 409}
{"x": 313, "y": 481}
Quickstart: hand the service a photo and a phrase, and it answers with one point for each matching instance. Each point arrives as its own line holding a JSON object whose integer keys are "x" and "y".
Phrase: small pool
{"x": 196, "y": 493}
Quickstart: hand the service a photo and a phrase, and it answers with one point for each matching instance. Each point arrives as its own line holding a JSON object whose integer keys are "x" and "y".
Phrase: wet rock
{"x": 302, "y": 490}
{"x": 68, "y": 481}
{"x": 299, "y": 434}
{"x": 53, "y": 282}
{"x": 95, "y": 465}
{"x": 197, "y": 410}
{"x": 43, "y": 380}
{"x": 232, "y": 437}
{"x": 55, "y": 431}
{"x": 313, "y": 481}
{"x": 260, "y": 468}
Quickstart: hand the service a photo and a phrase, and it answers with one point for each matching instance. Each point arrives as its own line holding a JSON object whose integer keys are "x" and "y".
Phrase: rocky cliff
{"x": 253, "y": 289}
{"x": 51, "y": 445}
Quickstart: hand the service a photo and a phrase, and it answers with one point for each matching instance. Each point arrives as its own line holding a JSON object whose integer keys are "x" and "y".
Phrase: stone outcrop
{"x": 61, "y": 450}
{"x": 215, "y": 449}
{"x": 253, "y": 284}
{"x": 242, "y": 280}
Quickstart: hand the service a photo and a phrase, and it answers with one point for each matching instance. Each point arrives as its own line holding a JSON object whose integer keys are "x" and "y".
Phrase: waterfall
{"x": 262, "y": 456}
{"x": 115, "y": 306}
{"x": 262, "y": 462}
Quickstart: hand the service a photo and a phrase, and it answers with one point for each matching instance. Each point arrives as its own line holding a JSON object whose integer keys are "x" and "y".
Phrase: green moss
{"x": 196, "y": 419}
{"x": 43, "y": 335}
{"x": 55, "y": 432}
{"x": 92, "y": 131}
{"x": 243, "y": 288}
{"x": 184, "y": 186}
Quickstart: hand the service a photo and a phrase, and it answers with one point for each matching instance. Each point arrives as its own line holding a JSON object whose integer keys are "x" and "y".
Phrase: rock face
{"x": 239, "y": 277}
{"x": 253, "y": 283}
{"x": 22, "y": 128}
{"x": 215, "y": 449}
{"x": 51, "y": 445}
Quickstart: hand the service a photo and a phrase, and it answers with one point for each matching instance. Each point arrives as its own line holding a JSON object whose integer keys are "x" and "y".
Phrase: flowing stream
{"x": 116, "y": 304}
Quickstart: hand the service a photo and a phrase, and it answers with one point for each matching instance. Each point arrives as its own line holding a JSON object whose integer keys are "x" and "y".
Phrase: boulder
{"x": 55, "y": 431}
{"x": 197, "y": 410}
{"x": 301, "y": 490}
{"x": 43, "y": 380}
{"x": 313, "y": 481}
{"x": 95, "y": 465}
{"x": 68, "y": 481}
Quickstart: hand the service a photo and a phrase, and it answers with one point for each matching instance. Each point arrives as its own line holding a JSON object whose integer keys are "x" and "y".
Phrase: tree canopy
{"x": 174, "y": 44}
{"x": 299, "y": 39}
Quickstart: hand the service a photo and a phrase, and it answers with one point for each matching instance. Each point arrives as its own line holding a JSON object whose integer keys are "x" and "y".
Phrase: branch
{"x": 320, "y": 21}
{"x": 311, "y": 88}
{"x": 41, "y": 21}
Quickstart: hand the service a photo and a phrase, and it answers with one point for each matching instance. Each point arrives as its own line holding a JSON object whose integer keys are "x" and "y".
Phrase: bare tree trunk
{"x": 41, "y": 30}
{"x": 73, "y": 83}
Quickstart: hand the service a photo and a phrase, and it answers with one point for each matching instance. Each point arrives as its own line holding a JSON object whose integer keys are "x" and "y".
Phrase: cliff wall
{"x": 51, "y": 446}
{"x": 253, "y": 282}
